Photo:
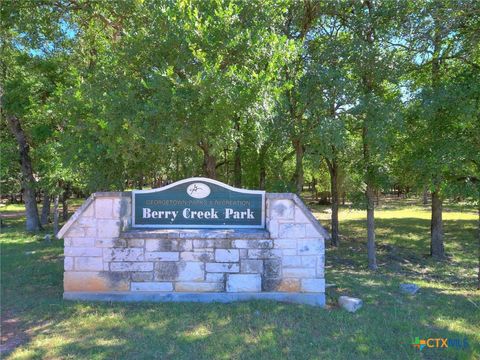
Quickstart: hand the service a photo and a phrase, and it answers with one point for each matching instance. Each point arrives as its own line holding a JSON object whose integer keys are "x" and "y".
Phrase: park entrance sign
{"x": 198, "y": 203}
{"x": 194, "y": 240}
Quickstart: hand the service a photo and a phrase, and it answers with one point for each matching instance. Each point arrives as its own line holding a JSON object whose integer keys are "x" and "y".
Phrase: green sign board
{"x": 198, "y": 203}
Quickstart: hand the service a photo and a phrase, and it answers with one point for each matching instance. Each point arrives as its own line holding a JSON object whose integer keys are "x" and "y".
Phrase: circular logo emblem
{"x": 198, "y": 190}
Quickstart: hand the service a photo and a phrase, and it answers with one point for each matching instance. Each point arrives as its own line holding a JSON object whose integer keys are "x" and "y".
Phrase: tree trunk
{"x": 425, "y": 195}
{"x": 478, "y": 283}
{"x": 372, "y": 257}
{"x": 333, "y": 170}
{"x": 237, "y": 165}
{"x": 436, "y": 242}
{"x": 55, "y": 214}
{"x": 262, "y": 168}
{"x": 209, "y": 166}
{"x": 298, "y": 175}
{"x": 370, "y": 197}
{"x": 45, "y": 209}
{"x": 28, "y": 181}
{"x": 209, "y": 162}
{"x": 313, "y": 186}
{"x": 65, "y": 205}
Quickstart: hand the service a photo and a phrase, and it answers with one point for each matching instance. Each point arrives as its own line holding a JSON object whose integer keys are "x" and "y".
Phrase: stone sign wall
{"x": 107, "y": 259}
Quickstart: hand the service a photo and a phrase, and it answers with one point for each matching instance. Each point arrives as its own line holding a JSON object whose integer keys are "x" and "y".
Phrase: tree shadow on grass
{"x": 383, "y": 328}
{"x": 403, "y": 248}
{"x": 255, "y": 330}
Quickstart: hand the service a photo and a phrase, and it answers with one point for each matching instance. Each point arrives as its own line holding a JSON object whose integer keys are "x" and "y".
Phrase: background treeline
{"x": 353, "y": 98}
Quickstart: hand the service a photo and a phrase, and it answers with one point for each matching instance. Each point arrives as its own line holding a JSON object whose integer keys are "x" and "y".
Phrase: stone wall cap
{"x": 75, "y": 216}
{"x": 85, "y": 205}
{"x": 299, "y": 202}
{"x": 112, "y": 194}
{"x": 196, "y": 233}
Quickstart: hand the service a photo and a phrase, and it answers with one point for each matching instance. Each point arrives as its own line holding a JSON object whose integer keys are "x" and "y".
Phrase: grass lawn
{"x": 447, "y": 306}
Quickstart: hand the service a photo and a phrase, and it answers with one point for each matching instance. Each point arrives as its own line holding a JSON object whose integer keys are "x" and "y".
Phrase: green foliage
{"x": 110, "y": 101}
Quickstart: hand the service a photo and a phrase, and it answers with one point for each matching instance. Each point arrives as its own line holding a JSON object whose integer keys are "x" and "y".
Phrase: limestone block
{"x": 289, "y": 252}
{"x": 289, "y": 285}
{"x": 252, "y": 244}
{"x": 300, "y": 217}
{"x": 215, "y": 277}
{"x": 292, "y": 261}
{"x": 191, "y": 271}
{"x": 95, "y": 281}
{"x": 291, "y": 230}
{"x": 123, "y": 254}
{"x": 136, "y": 243}
{"x": 86, "y": 221}
{"x": 88, "y": 263}
{"x": 108, "y": 229}
{"x": 244, "y": 283}
{"x": 285, "y": 243}
{"x": 410, "y": 289}
{"x": 168, "y": 245}
{"x": 82, "y": 251}
{"x": 212, "y": 243}
{"x": 227, "y": 255}
{"x": 313, "y": 285}
{"x": 272, "y": 268}
{"x": 162, "y": 256}
{"x": 197, "y": 256}
{"x": 75, "y": 232}
{"x": 90, "y": 231}
{"x": 131, "y": 266}
{"x": 116, "y": 208}
{"x": 152, "y": 286}
{"x": 281, "y": 285}
{"x": 272, "y": 227}
{"x": 251, "y": 266}
{"x": 222, "y": 267}
{"x": 311, "y": 231}
{"x": 199, "y": 286}
{"x": 299, "y": 273}
{"x": 68, "y": 263}
{"x": 166, "y": 270}
{"x": 350, "y": 304}
{"x": 282, "y": 209}
{"x": 104, "y": 208}
{"x": 79, "y": 242}
{"x": 309, "y": 261}
{"x": 203, "y": 250}
{"x": 311, "y": 247}
{"x": 110, "y": 243}
{"x": 89, "y": 211}
{"x": 320, "y": 266}
{"x": 264, "y": 253}
{"x": 142, "y": 276}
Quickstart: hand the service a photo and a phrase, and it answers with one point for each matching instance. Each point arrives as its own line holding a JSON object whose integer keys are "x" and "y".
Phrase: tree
{"x": 299, "y": 19}
{"x": 438, "y": 48}
{"x": 370, "y": 26}
{"x": 329, "y": 93}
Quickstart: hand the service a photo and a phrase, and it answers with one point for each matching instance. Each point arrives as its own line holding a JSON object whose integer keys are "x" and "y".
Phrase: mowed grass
{"x": 447, "y": 306}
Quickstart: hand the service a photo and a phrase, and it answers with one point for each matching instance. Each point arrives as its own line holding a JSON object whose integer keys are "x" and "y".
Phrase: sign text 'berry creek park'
{"x": 198, "y": 203}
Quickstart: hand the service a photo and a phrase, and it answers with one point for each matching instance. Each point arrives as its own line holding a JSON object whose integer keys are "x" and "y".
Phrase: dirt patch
{"x": 11, "y": 215}
{"x": 12, "y": 334}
